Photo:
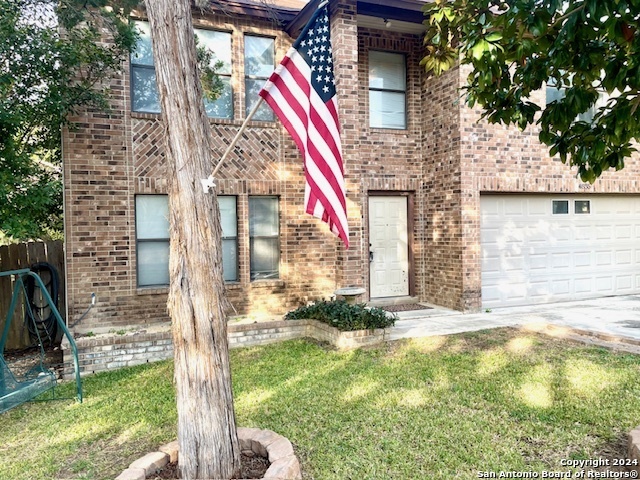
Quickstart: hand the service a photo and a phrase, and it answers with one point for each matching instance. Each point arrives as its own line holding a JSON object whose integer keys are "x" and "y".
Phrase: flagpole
{"x": 210, "y": 182}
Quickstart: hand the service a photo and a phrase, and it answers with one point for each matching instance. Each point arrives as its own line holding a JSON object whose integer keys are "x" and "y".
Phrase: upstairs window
{"x": 144, "y": 90}
{"x": 387, "y": 90}
{"x": 556, "y": 93}
{"x": 220, "y": 44}
{"x": 259, "y": 63}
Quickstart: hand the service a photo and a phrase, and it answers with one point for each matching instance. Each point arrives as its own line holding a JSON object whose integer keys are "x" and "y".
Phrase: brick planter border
{"x": 112, "y": 351}
{"x": 268, "y": 444}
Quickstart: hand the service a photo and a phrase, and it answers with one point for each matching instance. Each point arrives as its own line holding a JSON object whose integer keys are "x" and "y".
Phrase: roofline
{"x": 402, "y": 10}
{"x": 264, "y": 11}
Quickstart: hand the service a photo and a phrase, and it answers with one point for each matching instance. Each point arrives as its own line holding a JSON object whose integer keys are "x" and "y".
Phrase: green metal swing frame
{"x": 18, "y": 389}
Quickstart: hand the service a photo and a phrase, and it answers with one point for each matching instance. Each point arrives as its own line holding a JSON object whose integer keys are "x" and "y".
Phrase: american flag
{"x": 302, "y": 94}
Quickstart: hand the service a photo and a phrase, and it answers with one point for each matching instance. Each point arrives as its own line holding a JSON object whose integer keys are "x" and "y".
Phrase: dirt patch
{"x": 20, "y": 362}
{"x": 253, "y": 466}
{"x": 405, "y": 307}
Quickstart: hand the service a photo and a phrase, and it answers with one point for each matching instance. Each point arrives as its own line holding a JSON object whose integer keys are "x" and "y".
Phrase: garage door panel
{"x": 536, "y": 209}
{"x": 560, "y": 287}
{"x": 582, "y": 259}
{"x": 624, "y": 257}
{"x": 533, "y": 256}
{"x": 514, "y": 208}
{"x": 538, "y": 261}
{"x": 560, "y": 261}
{"x": 604, "y": 232}
{"x": 604, "y": 284}
{"x": 583, "y": 285}
{"x": 623, "y": 232}
{"x": 603, "y": 259}
{"x": 624, "y": 283}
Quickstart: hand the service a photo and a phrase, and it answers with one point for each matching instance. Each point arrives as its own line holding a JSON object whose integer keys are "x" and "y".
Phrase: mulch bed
{"x": 253, "y": 466}
{"x": 21, "y": 361}
{"x": 405, "y": 307}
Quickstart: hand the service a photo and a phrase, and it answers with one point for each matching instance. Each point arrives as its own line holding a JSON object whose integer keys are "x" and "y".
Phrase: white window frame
{"x": 373, "y": 89}
{"x": 134, "y": 65}
{"x": 565, "y": 200}
{"x": 264, "y": 112}
{"x": 164, "y": 239}
{"x": 258, "y": 275}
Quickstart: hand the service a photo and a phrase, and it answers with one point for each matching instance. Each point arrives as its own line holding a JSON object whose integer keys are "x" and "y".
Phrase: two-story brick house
{"x": 442, "y": 208}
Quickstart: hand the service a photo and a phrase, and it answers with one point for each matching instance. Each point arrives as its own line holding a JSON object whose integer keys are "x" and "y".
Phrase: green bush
{"x": 344, "y": 316}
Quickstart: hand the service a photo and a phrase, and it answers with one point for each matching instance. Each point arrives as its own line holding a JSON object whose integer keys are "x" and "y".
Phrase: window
{"x": 264, "y": 232}
{"x": 144, "y": 91}
{"x": 259, "y": 63}
{"x": 387, "y": 90}
{"x": 582, "y": 207}
{"x": 560, "y": 207}
{"x": 229, "y": 220}
{"x": 220, "y": 44}
{"x": 556, "y": 93}
{"x": 152, "y": 237}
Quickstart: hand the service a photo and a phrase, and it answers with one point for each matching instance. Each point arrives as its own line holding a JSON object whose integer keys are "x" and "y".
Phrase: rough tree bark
{"x": 206, "y": 424}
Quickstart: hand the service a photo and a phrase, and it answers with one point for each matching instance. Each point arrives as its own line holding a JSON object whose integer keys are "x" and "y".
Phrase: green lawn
{"x": 435, "y": 408}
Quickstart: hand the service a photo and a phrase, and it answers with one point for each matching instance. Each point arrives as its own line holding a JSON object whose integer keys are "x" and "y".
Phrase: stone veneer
{"x": 265, "y": 443}
{"x": 112, "y": 351}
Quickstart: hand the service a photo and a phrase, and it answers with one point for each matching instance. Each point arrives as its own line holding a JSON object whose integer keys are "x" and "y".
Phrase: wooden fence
{"x": 23, "y": 255}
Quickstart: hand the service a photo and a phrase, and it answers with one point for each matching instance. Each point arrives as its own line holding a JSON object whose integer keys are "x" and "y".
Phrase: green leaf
{"x": 479, "y": 49}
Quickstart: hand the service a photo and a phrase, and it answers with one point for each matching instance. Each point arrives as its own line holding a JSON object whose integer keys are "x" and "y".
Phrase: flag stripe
{"x": 292, "y": 88}
{"x": 319, "y": 148}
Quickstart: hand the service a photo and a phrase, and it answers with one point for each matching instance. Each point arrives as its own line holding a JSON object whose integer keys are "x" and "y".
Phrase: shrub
{"x": 344, "y": 316}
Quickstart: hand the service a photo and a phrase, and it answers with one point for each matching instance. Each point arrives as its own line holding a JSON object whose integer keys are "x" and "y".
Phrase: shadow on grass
{"x": 439, "y": 407}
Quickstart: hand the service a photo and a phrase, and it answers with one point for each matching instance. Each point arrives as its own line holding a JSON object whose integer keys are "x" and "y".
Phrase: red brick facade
{"x": 443, "y": 161}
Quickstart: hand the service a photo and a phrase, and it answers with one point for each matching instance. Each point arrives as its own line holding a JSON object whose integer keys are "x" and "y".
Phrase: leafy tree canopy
{"x": 585, "y": 48}
{"x": 53, "y": 60}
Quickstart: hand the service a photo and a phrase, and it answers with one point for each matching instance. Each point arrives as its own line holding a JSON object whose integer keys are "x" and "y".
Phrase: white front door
{"x": 389, "y": 247}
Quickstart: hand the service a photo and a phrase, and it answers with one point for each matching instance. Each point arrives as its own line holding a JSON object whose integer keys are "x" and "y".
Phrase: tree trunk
{"x": 206, "y": 423}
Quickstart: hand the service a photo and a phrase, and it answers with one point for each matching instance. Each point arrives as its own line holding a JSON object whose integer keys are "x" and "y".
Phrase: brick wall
{"x": 110, "y": 157}
{"x": 443, "y": 226}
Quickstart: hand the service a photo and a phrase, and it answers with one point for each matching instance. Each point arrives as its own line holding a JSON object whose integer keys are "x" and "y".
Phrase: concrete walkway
{"x": 612, "y": 316}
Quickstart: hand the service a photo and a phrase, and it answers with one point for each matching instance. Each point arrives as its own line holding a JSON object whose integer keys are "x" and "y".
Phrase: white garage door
{"x": 540, "y": 249}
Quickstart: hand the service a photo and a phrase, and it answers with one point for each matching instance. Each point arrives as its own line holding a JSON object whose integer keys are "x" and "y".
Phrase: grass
{"x": 438, "y": 408}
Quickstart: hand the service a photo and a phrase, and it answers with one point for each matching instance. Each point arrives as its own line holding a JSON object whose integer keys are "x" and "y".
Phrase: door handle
{"x": 370, "y": 256}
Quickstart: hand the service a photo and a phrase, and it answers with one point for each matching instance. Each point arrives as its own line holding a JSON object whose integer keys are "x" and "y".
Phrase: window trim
{"x": 587, "y": 116}
{"x": 162, "y": 240}
{"x": 575, "y": 210}
{"x": 228, "y": 76}
{"x": 167, "y": 240}
{"x": 553, "y": 201}
{"x": 376, "y": 89}
{"x": 133, "y": 65}
{"x": 276, "y": 236}
{"x": 223, "y": 238}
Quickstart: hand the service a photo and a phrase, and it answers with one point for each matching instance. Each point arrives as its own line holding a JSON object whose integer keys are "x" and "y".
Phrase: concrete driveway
{"x": 617, "y": 317}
